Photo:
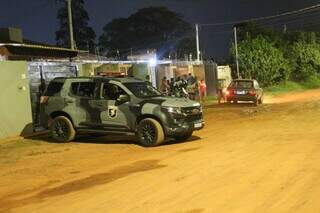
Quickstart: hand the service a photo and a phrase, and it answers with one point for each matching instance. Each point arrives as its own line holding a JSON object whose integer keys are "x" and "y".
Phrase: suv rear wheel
{"x": 150, "y": 132}
{"x": 62, "y": 129}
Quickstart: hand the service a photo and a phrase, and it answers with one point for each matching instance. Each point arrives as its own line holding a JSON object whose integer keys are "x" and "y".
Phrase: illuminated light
{"x": 252, "y": 93}
{"x": 153, "y": 62}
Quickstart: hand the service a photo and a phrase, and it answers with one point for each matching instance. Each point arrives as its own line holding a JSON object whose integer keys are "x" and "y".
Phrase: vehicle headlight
{"x": 174, "y": 110}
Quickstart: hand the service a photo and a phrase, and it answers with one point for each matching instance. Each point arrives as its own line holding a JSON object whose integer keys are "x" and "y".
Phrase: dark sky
{"x": 37, "y": 18}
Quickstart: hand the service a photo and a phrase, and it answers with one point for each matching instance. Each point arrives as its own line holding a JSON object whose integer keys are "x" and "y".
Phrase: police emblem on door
{"x": 112, "y": 112}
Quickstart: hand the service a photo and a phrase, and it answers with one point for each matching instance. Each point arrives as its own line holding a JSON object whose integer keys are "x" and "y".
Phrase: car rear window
{"x": 54, "y": 88}
{"x": 242, "y": 84}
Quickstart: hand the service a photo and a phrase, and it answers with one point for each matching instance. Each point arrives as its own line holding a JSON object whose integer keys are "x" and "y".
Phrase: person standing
{"x": 191, "y": 88}
{"x": 190, "y": 79}
{"x": 147, "y": 80}
{"x": 164, "y": 86}
{"x": 172, "y": 86}
{"x": 169, "y": 87}
{"x": 202, "y": 90}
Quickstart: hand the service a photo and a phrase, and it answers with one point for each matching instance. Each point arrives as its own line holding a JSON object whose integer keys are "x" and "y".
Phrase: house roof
{"x": 29, "y": 49}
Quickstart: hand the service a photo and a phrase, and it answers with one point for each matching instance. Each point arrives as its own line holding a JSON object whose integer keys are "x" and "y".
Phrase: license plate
{"x": 197, "y": 125}
{"x": 240, "y": 92}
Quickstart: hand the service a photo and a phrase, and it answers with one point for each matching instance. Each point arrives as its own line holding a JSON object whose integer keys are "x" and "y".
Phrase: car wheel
{"x": 256, "y": 102}
{"x": 62, "y": 129}
{"x": 150, "y": 132}
{"x": 260, "y": 101}
{"x": 183, "y": 137}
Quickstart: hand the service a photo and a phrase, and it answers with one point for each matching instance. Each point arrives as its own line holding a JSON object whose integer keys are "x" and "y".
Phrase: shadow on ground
{"x": 230, "y": 105}
{"x": 108, "y": 139}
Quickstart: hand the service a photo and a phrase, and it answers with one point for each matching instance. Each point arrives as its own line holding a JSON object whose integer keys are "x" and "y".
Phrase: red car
{"x": 244, "y": 90}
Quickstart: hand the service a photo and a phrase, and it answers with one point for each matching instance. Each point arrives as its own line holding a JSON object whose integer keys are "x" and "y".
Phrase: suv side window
{"x": 54, "y": 88}
{"x": 112, "y": 91}
{"x": 256, "y": 85}
{"x": 83, "y": 89}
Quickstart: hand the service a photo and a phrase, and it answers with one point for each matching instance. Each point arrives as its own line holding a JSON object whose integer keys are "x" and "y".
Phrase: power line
{"x": 290, "y": 20}
{"x": 295, "y": 12}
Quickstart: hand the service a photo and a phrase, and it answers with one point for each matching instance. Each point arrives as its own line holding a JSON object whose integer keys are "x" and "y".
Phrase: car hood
{"x": 176, "y": 102}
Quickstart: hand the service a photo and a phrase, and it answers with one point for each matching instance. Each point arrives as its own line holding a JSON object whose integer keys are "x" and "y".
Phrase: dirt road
{"x": 247, "y": 159}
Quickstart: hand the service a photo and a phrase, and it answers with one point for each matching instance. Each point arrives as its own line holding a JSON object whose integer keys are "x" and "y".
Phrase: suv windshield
{"x": 242, "y": 84}
{"x": 143, "y": 90}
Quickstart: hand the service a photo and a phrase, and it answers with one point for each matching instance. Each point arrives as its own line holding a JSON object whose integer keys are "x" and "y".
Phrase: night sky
{"x": 37, "y": 18}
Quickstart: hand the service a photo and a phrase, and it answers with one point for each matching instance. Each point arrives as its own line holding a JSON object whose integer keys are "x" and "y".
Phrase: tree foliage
{"x": 273, "y": 55}
{"x": 152, "y": 27}
{"x": 305, "y": 60}
{"x": 84, "y": 35}
{"x": 261, "y": 60}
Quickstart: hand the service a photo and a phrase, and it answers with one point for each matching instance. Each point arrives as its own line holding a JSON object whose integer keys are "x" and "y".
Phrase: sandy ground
{"x": 246, "y": 159}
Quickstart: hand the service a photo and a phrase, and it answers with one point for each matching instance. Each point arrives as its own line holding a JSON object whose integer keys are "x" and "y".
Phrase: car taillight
{"x": 44, "y": 99}
{"x": 252, "y": 92}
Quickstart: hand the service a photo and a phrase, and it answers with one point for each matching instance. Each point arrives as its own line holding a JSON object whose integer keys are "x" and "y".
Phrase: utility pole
{"x": 197, "y": 40}
{"x": 236, "y": 48}
{"x": 284, "y": 28}
{"x": 72, "y": 45}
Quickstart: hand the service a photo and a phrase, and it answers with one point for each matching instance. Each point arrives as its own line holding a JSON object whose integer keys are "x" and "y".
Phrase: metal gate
{"x": 40, "y": 74}
{"x": 211, "y": 77}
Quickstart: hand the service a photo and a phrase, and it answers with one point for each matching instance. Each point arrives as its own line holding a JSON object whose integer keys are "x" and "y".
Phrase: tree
{"x": 261, "y": 60}
{"x": 305, "y": 60}
{"x": 84, "y": 35}
{"x": 262, "y": 46}
{"x": 148, "y": 28}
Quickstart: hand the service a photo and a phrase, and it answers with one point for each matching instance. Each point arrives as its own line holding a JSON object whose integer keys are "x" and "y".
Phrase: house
{"x": 13, "y": 46}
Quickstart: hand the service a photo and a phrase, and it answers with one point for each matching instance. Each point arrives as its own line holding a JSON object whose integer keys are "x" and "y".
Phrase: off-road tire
{"x": 150, "y": 133}
{"x": 260, "y": 101}
{"x": 62, "y": 129}
{"x": 183, "y": 137}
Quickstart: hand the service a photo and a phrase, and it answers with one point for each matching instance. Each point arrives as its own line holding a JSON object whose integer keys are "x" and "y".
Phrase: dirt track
{"x": 247, "y": 159}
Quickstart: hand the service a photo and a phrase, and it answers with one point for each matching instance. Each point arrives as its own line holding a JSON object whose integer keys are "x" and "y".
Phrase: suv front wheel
{"x": 150, "y": 132}
{"x": 62, "y": 129}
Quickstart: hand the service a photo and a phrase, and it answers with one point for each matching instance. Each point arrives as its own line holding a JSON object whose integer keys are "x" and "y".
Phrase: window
{"x": 54, "y": 88}
{"x": 112, "y": 91}
{"x": 143, "y": 90}
{"x": 83, "y": 89}
{"x": 242, "y": 84}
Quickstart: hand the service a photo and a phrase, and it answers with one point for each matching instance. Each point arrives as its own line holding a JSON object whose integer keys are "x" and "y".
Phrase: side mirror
{"x": 123, "y": 98}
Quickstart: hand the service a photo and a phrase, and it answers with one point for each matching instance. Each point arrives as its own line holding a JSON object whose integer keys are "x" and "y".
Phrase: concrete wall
{"x": 15, "y": 104}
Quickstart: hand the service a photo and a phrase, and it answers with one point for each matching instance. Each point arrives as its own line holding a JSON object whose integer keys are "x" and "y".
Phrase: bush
{"x": 261, "y": 60}
{"x": 312, "y": 82}
{"x": 305, "y": 60}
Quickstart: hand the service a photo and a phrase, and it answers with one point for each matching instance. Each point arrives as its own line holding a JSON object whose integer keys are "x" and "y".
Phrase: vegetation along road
{"x": 246, "y": 159}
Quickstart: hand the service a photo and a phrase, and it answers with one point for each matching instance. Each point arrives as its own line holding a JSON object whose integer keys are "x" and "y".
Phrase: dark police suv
{"x": 126, "y": 106}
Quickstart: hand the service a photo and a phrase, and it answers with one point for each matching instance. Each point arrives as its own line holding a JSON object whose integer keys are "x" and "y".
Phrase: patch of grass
{"x": 291, "y": 86}
{"x": 312, "y": 83}
{"x": 282, "y": 88}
